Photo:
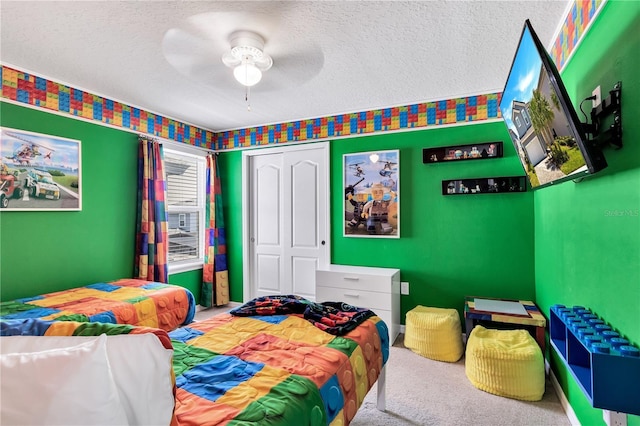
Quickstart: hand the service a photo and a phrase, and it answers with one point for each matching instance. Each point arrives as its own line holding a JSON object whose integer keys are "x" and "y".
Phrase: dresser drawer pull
{"x": 352, "y": 278}
{"x": 351, "y": 295}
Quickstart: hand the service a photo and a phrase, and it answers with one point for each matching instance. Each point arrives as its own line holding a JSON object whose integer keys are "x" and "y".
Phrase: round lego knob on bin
{"x": 610, "y": 334}
{"x": 573, "y": 319}
{"x": 602, "y": 327}
{"x": 577, "y": 326}
{"x": 585, "y": 331}
{"x": 628, "y": 350}
{"x": 616, "y": 342}
{"x": 601, "y": 347}
{"x": 590, "y": 339}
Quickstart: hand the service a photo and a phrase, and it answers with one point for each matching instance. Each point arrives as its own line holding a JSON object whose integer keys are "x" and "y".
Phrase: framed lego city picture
{"x": 372, "y": 194}
{"x": 39, "y": 172}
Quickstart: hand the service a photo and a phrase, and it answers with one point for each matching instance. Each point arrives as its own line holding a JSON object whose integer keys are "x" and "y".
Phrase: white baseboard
{"x": 568, "y": 410}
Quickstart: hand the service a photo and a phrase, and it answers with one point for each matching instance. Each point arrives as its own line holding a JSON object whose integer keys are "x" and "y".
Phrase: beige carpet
{"x": 423, "y": 392}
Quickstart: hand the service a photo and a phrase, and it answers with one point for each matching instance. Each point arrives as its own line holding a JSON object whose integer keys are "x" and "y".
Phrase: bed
{"x": 126, "y": 301}
{"x": 85, "y": 374}
{"x": 268, "y": 369}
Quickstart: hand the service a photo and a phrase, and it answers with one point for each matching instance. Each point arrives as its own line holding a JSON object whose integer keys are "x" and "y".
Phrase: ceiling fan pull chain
{"x": 246, "y": 98}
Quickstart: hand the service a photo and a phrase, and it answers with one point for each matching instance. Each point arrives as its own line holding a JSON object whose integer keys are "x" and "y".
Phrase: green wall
{"x": 191, "y": 280}
{"x": 231, "y": 180}
{"x": 587, "y": 234}
{"x": 450, "y": 246}
{"x": 48, "y": 251}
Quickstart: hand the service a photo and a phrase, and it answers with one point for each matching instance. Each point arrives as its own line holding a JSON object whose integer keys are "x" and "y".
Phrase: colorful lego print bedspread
{"x": 274, "y": 370}
{"x": 126, "y": 301}
{"x": 38, "y": 327}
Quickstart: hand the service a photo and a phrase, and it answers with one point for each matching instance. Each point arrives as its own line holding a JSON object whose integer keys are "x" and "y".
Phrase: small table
{"x": 513, "y": 313}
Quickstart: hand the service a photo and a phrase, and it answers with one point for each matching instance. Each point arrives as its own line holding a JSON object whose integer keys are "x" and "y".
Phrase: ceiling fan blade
{"x": 184, "y": 50}
{"x": 214, "y": 77}
{"x": 200, "y": 49}
{"x": 217, "y": 27}
{"x": 264, "y": 63}
{"x": 229, "y": 60}
{"x": 292, "y": 69}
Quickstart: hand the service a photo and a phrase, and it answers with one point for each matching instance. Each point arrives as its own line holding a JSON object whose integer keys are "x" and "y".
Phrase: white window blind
{"x": 185, "y": 177}
{"x": 182, "y": 180}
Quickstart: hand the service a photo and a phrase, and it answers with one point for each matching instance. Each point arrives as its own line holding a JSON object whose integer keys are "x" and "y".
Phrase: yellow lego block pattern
{"x": 434, "y": 333}
{"x": 507, "y": 363}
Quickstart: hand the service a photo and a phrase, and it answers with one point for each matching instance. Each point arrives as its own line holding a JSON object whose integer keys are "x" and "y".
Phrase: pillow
{"x": 140, "y": 366}
{"x": 143, "y": 371}
{"x": 64, "y": 386}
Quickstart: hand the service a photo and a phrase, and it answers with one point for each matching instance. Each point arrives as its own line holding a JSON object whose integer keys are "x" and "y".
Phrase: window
{"x": 185, "y": 176}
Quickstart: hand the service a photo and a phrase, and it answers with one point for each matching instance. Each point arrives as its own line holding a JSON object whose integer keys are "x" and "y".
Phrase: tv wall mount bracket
{"x": 601, "y": 133}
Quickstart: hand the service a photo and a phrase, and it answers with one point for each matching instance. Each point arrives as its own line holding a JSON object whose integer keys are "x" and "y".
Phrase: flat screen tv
{"x": 541, "y": 120}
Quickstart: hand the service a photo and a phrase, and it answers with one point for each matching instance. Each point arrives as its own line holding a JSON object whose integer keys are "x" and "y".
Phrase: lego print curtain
{"x": 151, "y": 218}
{"x": 215, "y": 277}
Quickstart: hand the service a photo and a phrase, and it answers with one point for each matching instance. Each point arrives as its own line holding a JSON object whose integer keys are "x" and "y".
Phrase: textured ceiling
{"x": 329, "y": 57}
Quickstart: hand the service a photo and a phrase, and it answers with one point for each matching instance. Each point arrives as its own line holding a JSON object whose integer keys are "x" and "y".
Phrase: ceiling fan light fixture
{"x": 247, "y": 57}
{"x": 240, "y": 52}
{"x": 247, "y": 74}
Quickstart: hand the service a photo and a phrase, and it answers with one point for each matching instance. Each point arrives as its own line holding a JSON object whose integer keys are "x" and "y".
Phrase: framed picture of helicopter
{"x": 39, "y": 172}
{"x": 372, "y": 194}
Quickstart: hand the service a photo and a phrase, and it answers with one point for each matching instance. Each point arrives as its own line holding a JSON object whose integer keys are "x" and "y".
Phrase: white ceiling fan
{"x": 216, "y": 47}
{"x": 247, "y": 57}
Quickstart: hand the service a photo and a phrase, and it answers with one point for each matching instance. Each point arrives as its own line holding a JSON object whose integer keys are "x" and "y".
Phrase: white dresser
{"x": 377, "y": 289}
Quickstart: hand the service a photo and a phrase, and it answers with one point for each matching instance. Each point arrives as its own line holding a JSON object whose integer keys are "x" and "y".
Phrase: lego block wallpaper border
{"x": 26, "y": 88}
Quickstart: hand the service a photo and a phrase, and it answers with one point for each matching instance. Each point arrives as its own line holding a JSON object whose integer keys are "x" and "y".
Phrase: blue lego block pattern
{"x": 604, "y": 363}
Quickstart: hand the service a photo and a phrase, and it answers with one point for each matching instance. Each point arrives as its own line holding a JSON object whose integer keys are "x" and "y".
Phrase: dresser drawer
{"x": 353, "y": 281}
{"x": 373, "y": 288}
{"x": 355, "y": 297}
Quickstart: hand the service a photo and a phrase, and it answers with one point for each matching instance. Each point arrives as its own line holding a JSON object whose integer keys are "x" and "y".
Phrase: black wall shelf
{"x": 487, "y": 185}
{"x": 453, "y": 153}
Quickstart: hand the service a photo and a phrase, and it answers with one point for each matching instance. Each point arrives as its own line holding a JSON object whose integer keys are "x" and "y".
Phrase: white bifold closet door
{"x": 286, "y": 228}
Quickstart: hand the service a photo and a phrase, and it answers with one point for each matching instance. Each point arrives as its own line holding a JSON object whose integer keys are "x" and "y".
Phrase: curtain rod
{"x": 176, "y": 144}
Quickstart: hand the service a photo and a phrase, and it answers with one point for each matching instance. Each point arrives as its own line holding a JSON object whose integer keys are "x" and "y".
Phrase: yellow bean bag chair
{"x": 507, "y": 363}
{"x": 434, "y": 333}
